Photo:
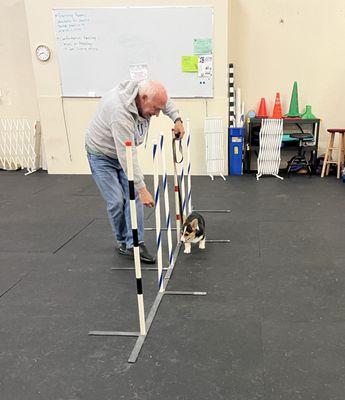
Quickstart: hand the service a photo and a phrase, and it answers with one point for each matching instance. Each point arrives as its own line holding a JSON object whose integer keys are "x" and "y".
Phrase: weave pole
{"x": 136, "y": 251}
{"x": 157, "y": 215}
{"x": 189, "y": 181}
{"x": 183, "y": 192}
{"x": 177, "y": 196}
{"x": 146, "y": 325}
{"x": 166, "y": 201}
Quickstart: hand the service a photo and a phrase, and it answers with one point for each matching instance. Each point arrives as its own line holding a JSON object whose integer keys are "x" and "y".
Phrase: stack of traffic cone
{"x": 277, "y": 109}
{"x": 262, "y": 112}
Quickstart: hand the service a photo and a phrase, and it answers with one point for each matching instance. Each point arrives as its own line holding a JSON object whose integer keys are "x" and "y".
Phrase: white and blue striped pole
{"x": 136, "y": 250}
{"x": 189, "y": 179}
{"x": 158, "y": 215}
{"x": 183, "y": 192}
{"x": 177, "y": 197}
{"x": 166, "y": 201}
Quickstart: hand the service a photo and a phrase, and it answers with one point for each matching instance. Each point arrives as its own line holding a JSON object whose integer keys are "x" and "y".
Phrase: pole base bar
{"x": 113, "y": 333}
{"x": 214, "y": 211}
{"x": 175, "y": 292}
{"x": 135, "y": 353}
{"x": 217, "y": 241}
{"x": 132, "y": 269}
{"x": 141, "y": 339}
{"x": 162, "y": 229}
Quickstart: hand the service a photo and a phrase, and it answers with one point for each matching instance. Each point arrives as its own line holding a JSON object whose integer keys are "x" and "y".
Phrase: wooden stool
{"x": 330, "y": 148}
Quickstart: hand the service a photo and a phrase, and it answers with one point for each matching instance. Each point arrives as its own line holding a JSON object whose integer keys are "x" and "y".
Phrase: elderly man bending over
{"x": 124, "y": 114}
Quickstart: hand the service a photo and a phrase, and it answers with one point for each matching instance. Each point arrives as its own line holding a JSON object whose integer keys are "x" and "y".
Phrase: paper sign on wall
{"x": 189, "y": 63}
{"x": 138, "y": 72}
{"x": 205, "y": 66}
{"x": 202, "y": 46}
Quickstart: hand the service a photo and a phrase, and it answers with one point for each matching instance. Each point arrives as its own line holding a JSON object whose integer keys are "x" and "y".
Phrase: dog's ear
{"x": 194, "y": 224}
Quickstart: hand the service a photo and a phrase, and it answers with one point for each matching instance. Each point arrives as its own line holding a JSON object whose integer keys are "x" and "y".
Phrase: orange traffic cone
{"x": 262, "y": 112}
{"x": 277, "y": 109}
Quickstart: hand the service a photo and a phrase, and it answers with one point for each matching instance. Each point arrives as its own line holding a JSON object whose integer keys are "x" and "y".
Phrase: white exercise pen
{"x": 20, "y": 144}
{"x": 214, "y": 141}
{"x": 271, "y": 136}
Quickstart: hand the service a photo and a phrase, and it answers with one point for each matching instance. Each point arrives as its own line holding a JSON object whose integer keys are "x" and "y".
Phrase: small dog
{"x": 193, "y": 231}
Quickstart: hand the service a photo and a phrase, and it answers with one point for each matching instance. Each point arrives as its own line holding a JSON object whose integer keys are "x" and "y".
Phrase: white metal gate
{"x": 214, "y": 137}
{"x": 271, "y": 135}
{"x": 20, "y": 144}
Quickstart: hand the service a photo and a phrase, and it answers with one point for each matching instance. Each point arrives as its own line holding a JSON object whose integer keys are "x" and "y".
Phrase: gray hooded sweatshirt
{"x": 117, "y": 120}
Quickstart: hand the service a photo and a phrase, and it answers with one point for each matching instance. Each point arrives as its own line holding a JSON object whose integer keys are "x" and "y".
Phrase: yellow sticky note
{"x": 190, "y": 63}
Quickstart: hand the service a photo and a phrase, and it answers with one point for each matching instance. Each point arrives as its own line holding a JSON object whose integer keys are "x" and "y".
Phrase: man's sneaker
{"x": 121, "y": 249}
{"x": 145, "y": 256}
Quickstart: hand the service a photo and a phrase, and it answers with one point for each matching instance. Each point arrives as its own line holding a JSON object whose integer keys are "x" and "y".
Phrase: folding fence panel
{"x": 271, "y": 135}
{"x": 214, "y": 137}
{"x": 19, "y": 144}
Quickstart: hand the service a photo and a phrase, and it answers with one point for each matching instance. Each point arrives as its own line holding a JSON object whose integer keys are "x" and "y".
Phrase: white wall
{"x": 17, "y": 84}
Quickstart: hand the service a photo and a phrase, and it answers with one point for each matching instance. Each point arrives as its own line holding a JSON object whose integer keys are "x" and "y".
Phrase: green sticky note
{"x": 190, "y": 63}
{"x": 202, "y": 46}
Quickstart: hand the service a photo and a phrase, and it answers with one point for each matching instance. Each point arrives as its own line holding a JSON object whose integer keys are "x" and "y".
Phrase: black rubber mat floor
{"x": 270, "y": 327}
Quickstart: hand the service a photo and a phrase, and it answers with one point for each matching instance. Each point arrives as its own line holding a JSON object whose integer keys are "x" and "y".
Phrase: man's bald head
{"x": 151, "y": 99}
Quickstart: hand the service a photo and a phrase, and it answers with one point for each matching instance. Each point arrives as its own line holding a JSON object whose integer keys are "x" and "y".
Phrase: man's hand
{"x": 179, "y": 129}
{"x": 146, "y": 198}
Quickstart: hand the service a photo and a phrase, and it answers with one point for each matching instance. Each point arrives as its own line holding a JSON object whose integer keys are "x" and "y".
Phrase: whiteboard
{"x": 96, "y": 46}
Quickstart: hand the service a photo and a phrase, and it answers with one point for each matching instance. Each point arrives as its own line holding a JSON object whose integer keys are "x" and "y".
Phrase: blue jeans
{"x": 113, "y": 185}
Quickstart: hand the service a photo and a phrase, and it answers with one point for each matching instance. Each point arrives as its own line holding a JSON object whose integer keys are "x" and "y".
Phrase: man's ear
{"x": 144, "y": 97}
